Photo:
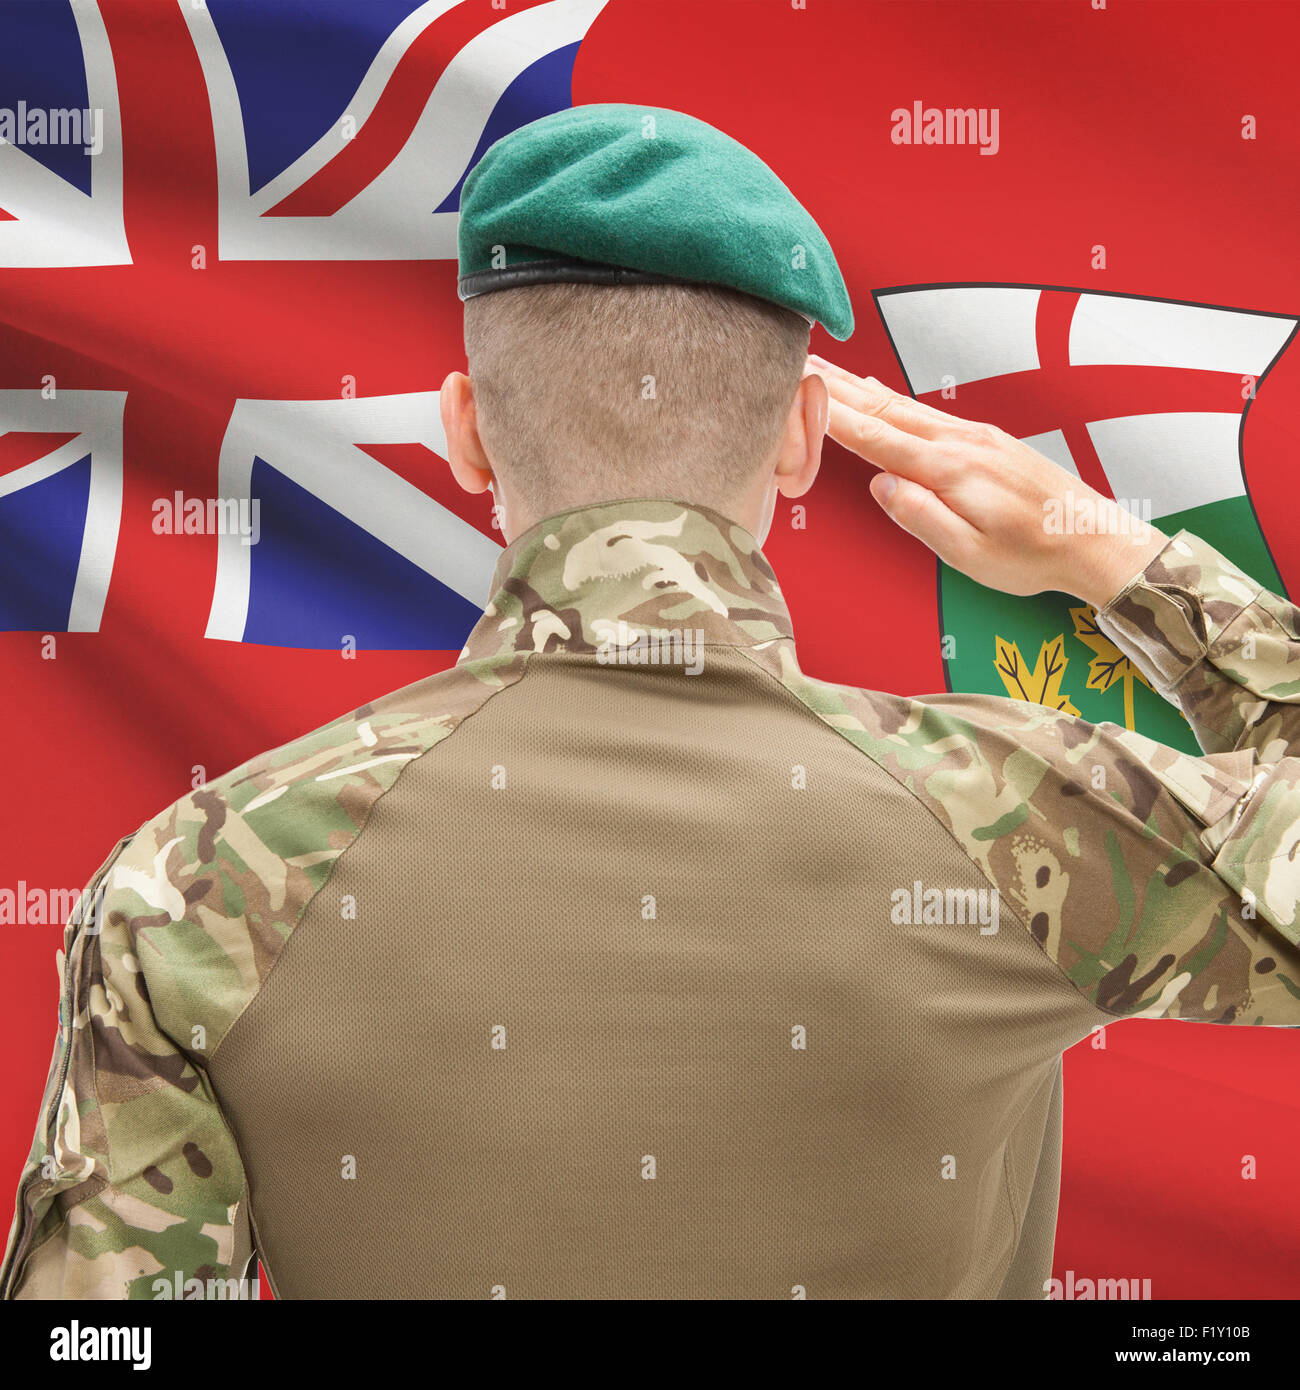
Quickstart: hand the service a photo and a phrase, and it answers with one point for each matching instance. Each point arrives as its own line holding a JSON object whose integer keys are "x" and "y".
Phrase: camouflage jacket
{"x": 1161, "y": 885}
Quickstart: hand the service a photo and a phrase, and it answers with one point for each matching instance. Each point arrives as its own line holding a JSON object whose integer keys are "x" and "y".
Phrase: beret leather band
{"x": 559, "y": 271}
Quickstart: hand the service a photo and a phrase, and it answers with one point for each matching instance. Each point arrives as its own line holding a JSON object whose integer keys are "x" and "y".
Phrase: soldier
{"x": 625, "y": 959}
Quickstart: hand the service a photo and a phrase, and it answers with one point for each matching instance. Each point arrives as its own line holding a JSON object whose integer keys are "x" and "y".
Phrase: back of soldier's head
{"x": 639, "y": 289}
{"x": 662, "y": 390}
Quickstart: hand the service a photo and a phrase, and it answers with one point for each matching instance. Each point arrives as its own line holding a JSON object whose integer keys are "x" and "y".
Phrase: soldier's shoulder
{"x": 306, "y": 793}
{"x": 1032, "y": 754}
{"x": 879, "y": 720}
{"x": 216, "y": 882}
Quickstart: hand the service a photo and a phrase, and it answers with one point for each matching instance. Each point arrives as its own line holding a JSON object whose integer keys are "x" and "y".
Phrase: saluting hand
{"x": 984, "y": 502}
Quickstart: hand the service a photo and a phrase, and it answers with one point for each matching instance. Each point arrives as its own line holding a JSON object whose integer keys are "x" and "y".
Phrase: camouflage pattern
{"x": 133, "y": 1175}
{"x": 1190, "y": 603}
{"x": 1160, "y": 884}
{"x": 583, "y": 580}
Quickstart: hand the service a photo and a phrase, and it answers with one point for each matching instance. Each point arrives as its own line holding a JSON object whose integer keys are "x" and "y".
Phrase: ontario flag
{"x": 1144, "y": 400}
{"x": 228, "y": 296}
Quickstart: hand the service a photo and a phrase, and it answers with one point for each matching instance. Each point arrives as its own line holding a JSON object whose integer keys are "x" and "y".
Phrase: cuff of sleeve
{"x": 1168, "y": 617}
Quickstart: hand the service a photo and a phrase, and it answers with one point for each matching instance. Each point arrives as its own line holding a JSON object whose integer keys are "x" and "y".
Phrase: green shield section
{"x": 994, "y": 643}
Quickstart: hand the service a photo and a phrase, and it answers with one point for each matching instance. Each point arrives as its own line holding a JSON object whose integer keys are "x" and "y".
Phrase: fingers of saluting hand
{"x": 917, "y": 510}
{"x": 891, "y": 430}
{"x": 872, "y": 397}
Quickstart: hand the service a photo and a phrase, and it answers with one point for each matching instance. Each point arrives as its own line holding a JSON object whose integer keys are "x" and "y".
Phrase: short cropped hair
{"x": 598, "y": 391}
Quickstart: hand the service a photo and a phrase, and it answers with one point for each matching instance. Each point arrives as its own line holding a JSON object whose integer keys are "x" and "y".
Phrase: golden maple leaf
{"x": 1109, "y": 666}
{"x": 1042, "y": 685}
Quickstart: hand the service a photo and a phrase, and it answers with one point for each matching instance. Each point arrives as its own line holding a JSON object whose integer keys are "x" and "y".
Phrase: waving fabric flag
{"x": 354, "y": 550}
{"x": 60, "y": 504}
{"x": 228, "y": 296}
{"x": 60, "y": 140}
{"x": 393, "y": 567}
{"x": 359, "y": 152}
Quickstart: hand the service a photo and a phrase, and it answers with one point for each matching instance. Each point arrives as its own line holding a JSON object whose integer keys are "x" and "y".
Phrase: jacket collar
{"x": 621, "y": 576}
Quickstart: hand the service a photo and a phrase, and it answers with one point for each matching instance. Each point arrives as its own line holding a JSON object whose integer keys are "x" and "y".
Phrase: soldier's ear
{"x": 469, "y": 462}
{"x": 800, "y": 453}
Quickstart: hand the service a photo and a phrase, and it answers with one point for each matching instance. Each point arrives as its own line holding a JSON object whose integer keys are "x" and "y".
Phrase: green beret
{"x": 614, "y": 194}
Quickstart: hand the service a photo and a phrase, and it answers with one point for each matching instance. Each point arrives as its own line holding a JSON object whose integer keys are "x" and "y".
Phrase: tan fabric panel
{"x": 632, "y": 1040}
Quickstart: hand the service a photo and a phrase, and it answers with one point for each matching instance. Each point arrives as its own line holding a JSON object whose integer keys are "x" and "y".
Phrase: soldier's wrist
{"x": 1102, "y": 569}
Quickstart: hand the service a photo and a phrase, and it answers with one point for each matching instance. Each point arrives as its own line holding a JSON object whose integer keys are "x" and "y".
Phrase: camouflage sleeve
{"x": 133, "y": 1185}
{"x": 1162, "y": 884}
{"x": 1215, "y": 642}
